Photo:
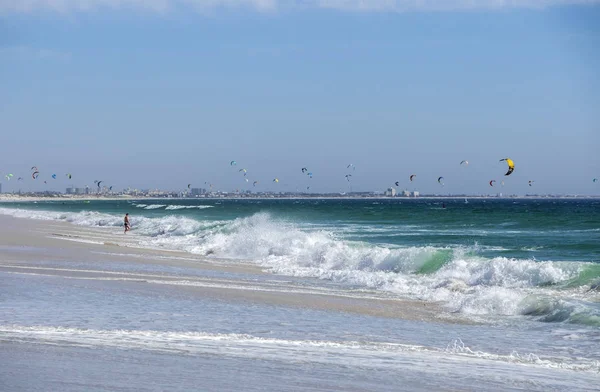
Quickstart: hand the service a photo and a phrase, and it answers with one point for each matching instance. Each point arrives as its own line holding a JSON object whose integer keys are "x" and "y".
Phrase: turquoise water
{"x": 526, "y": 271}
{"x": 487, "y": 258}
{"x": 541, "y": 229}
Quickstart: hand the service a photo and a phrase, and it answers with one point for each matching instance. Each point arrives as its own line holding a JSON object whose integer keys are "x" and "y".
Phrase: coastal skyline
{"x": 165, "y": 93}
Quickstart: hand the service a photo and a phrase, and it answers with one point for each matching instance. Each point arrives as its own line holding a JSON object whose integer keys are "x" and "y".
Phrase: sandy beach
{"x": 100, "y": 303}
{"x": 24, "y": 240}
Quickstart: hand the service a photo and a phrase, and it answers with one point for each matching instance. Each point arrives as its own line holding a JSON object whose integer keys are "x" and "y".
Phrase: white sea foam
{"x": 458, "y": 347}
{"x": 465, "y": 282}
{"x": 178, "y": 207}
{"x": 274, "y": 348}
{"x": 154, "y": 206}
{"x": 152, "y": 227}
{"x": 171, "y": 207}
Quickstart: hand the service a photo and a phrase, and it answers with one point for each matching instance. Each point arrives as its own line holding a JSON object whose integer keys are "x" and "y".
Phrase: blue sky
{"x": 161, "y": 93}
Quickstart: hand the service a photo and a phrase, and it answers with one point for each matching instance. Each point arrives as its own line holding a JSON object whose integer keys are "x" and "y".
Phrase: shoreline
{"x": 101, "y": 298}
{"x": 23, "y": 240}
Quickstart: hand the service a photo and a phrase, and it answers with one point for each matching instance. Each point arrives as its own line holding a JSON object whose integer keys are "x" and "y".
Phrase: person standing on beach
{"x": 126, "y": 223}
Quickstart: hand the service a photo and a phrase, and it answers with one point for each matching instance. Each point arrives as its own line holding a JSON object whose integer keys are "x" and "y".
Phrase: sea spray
{"x": 457, "y": 276}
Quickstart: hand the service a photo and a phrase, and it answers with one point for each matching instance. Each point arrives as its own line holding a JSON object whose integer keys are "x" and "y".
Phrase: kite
{"x": 348, "y": 177}
{"x": 412, "y": 176}
{"x": 254, "y": 183}
{"x": 304, "y": 170}
{"x": 189, "y": 185}
{"x": 35, "y": 174}
{"x": 492, "y": 182}
{"x": 397, "y": 183}
{"x": 309, "y": 175}
{"x": 531, "y": 182}
{"x": 466, "y": 163}
{"x": 275, "y": 179}
{"x": 440, "y": 180}
{"x": 511, "y": 165}
{"x": 351, "y": 166}
{"x": 54, "y": 176}
{"x": 232, "y": 163}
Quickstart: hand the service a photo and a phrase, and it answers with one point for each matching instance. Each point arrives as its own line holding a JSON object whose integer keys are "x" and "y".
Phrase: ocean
{"x": 511, "y": 289}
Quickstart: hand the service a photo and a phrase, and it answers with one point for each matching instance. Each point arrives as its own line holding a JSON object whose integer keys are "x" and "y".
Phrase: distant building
{"x": 368, "y": 193}
{"x": 70, "y": 191}
{"x": 0, "y": 187}
{"x": 391, "y": 192}
{"x": 197, "y": 191}
{"x": 415, "y": 194}
{"x": 406, "y": 193}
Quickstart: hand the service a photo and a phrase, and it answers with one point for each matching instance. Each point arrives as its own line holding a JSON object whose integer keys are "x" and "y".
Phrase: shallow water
{"x": 488, "y": 259}
{"x": 495, "y": 322}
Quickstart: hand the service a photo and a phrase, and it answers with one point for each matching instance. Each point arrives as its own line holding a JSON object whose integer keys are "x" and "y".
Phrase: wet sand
{"x": 92, "y": 309}
{"x": 92, "y": 250}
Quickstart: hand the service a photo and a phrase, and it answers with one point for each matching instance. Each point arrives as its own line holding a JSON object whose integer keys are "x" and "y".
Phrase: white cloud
{"x": 148, "y": 5}
{"x": 270, "y": 5}
{"x": 441, "y": 5}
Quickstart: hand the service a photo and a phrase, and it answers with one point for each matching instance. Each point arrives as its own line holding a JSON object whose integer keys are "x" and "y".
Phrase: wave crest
{"x": 466, "y": 282}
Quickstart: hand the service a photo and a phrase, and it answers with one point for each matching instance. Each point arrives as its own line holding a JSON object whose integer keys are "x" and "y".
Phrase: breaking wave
{"x": 153, "y": 206}
{"x": 550, "y": 291}
{"x": 171, "y": 207}
{"x": 176, "y": 207}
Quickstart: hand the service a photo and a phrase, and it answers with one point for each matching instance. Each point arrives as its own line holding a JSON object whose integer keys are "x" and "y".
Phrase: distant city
{"x": 105, "y": 192}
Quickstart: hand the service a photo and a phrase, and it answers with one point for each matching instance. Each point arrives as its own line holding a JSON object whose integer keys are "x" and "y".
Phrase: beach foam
{"x": 273, "y": 348}
{"x": 466, "y": 282}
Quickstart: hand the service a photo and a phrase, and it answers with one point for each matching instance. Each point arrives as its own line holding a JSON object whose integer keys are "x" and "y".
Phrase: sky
{"x": 162, "y": 93}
